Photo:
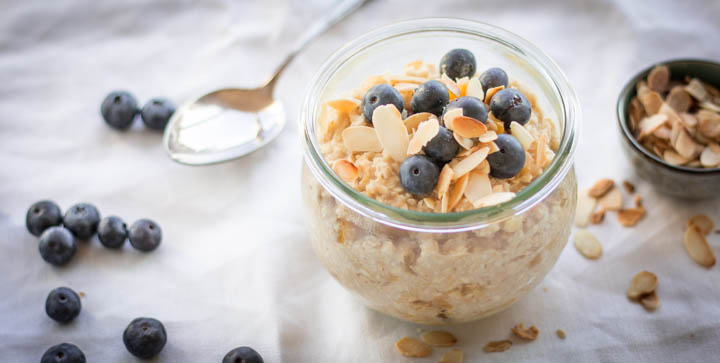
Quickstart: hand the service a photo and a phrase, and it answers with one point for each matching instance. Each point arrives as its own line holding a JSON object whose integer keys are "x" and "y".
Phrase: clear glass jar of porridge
{"x": 440, "y": 268}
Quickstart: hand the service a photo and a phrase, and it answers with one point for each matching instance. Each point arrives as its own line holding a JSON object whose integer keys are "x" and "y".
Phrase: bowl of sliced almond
{"x": 669, "y": 118}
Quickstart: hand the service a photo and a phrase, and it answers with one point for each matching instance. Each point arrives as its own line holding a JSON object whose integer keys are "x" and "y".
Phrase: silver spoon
{"x": 233, "y": 122}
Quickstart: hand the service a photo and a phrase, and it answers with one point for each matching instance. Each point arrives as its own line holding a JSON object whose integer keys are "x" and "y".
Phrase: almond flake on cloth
{"x": 643, "y": 283}
{"x": 631, "y": 216}
{"x": 438, "y": 338}
{"x": 491, "y": 92}
{"x": 601, "y": 187}
{"x": 587, "y": 244}
{"x": 444, "y": 179}
{"x": 452, "y": 356}
{"x": 474, "y": 89}
{"x": 703, "y": 223}
{"x": 561, "y": 334}
{"x": 346, "y": 170}
{"x": 650, "y": 301}
{"x": 464, "y": 166}
{"x": 457, "y": 191}
{"x": 612, "y": 199}
{"x": 521, "y": 134}
{"x": 497, "y": 346}
{"x": 478, "y": 187}
{"x": 585, "y": 207}
{"x": 426, "y": 131}
{"x": 412, "y": 122}
{"x": 346, "y": 105}
{"x": 361, "y": 139}
{"x": 529, "y": 333}
{"x": 495, "y": 198}
{"x": 468, "y": 127}
{"x": 449, "y": 116}
{"x": 411, "y": 347}
{"x": 391, "y": 131}
{"x": 697, "y": 247}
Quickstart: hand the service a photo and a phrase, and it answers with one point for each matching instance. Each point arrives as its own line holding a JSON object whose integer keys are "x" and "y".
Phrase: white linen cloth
{"x": 235, "y": 267}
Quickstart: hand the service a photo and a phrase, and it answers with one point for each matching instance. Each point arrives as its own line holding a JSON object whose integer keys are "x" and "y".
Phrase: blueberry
{"x": 458, "y": 63}
{"x": 157, "y": 112}
{"x": 431, "y": 96}
{"x": 509, "y": 160}
{"x": 42, "y": 215}
{"x": 112, "y": 232}
{"x": 145, "y": 337}
{"x": 242, "y": 355}
{"x": 442, "y": 148}
{"x": 378, "y": 95}
{"x": 493, "y": 77}
{"x": 145, "y": 235}
{"x": 419, "y": 175}
{"x": 82, "y": 220}
{"x": 63, "y": 353}
{"x": 510, "y": 105}
{"x": 63, "y": 305}
{"x": 471, "y": 106}
{"x": 119, "y": 109}
{"x": 57, "y": 245}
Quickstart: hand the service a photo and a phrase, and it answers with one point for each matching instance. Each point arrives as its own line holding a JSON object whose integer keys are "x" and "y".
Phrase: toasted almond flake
{"x": 651, "y": 101}
{"x": 708, "y": 123}
{"x": 474, "y": 89}
{"x": 703, "y": 223}
{"x": 361, "y": 139}
{"x": 658, "y": 78}
{"x": 601, "y": 187}
{"x": 429, "y": 202}
{"x": 425, "y": 132}
{"x": 631, "y": 216}
{"x": 463, "y": 83}
{"x": 457, "y": 191}
{"x": 636, "y": 111}
{"x": 478, "y": 187}
{"x": 412, "y": 121}
{"x": 438, "y": 338}
{"x": 673, "y": 158}
{"x": 629, "y": 187}
{"x": 488, "y": 137}
{"x": 345, "y": 105}
{"x": 529, "y": 333}
{"x": 540, "y": 148}
{"x": 444, "y": 202}
{"x": 484, "y": 167}
{"x": 497, "y": 346}
{"x": 642, "y": 87}
{"x": 643, "y": 283}
{"x": 495, "y": 198}
{"x": 491, "y": 92}
{"x": 500, "y": 188}
{"x": 491, "y": 145}
{"x": 471, "y": 162}
{"x": 391, "y": 131}
{"x": 522, "y": 134}
{"x": 464, "y": 142}
{"x": 649, "y": 124}
{"x": 346, "y": 170}
{"x": 707, "y": 105}
{"x": 411, "y": 347}
{"x": 612, "y": 199}
{"x": 686, "y": 146}
{"x": 650, "y": 301}
{"x": 450, "y": 84}
{"x": 444, "y": 179}
{"x": 697, "y": 247}
{"x": 468, "y": 127}
{"x": 663, "y": 133}
{"x": 452, "y": 356}
{"x": 696, "y": 89}
{"x": 638, "y": 201}
{"x": 406, "y": 87}
{"x": 587, "y": 244}
{"x": 598, "y": 216}
{"x": 406, "y": 79}
{"x": 585, "y": 207}
{"x": 449, "y": 116}
{"x": 491, "y": 125}
{"x": 561, "y": 334}
{"x": 679, "y": 99}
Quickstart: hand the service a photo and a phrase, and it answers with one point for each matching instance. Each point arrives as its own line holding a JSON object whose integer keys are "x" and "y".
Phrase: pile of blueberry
{"x": 419, "y": 173}
{"x": 58, "y": 233}
{"x": 120, "y": 108}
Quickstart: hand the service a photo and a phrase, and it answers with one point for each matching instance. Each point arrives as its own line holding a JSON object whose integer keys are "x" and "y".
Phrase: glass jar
{"x": 434, "y": 268}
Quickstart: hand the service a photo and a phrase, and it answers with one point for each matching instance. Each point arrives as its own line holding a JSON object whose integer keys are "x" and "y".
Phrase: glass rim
{"x": 405, "y": 219}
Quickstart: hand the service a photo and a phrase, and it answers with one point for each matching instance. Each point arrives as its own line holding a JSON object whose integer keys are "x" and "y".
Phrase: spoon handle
{"x": 336, "y": 14}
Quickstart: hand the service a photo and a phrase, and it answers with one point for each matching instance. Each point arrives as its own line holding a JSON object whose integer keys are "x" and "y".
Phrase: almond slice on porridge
{"x": 468, "y": 127}
{"x": 491, "y": 92}
{"x": 391, "y": 131}
{"x": 488, "y": 136}
{"x": 464, "y": 142}
{"x": 478, "y": 186}
{"x": 450, "y": 84}
{"x": 346, "y": 170}
{"x": 346, "y": 105}
{"x": 444, "y": 179}
{"x": 464, "y": 166}
{"x": 361, "y": 139}
{"x": 495, "y": 198}
{"x": 426, "y": 131}
{"x": 412, "y": 121}
{"x": 521, "y": 134}
{"x": 474, "y": 89}
{"x": 449, "y": 116}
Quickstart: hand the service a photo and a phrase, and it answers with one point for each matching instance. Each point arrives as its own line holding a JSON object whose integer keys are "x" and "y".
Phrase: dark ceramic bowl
{"x": 679, "y": 181}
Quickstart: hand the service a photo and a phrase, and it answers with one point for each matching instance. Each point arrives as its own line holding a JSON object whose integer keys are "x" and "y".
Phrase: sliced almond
{"x": 497, "y": 346}
{"x": 612, "y": 199}
{"x": 346, "y": 105}
{"x": 429, "y": 202}
{"x": 673, "y": 158}
{"x": 598, "y": 216}
{"x": 650, "y": 301}
{"x": 471, "y": 162}
{"x": 452, "y": 356}
{"x": 412, "y": 121}
{"x": 464, "y": 142}
{"x": 703, "y": 223}
{"x": 651, "y": 101}
{"x": 587, "y": 244}
{"x": 438, "y": 338}
{"x": 686, "y": 146}
{"x": 540, "y": 148}
{"x": 631, "y": 216}
{"x": 696, "y": 89}
{"x": 406, "y": 79}
{"x": 494, "y": 199}
{"x": 636, "y": 111}
{"x": 658, "y": 78}
{"x": 638, "y": 201}
{"x": 561, "y": 334}
{"x": 450, "y": 115}
{"x": 648, "y": 125}
{"x": 663, "y": 132}
{"x": 411, "y": 347}
{"x": 629, "y": 187}
{"x": 468, "y": 127}
{"x": 474, "y": 89}
{"x": 450, "y": 84}
{"x": 642, "y": 88}
{"x": 346, "y": 170}
{"x": 697, "y": 247}
{"x": 585, "y": 207}
{"x": 688, "y": 120}
{"x": 444, "y": 201}
{"x": 426, "y": 131}
{"x": 361, "y": 139}
{"x": 490, "y": 145}
{"x": 488, "y": 137}
{"x": 522, "y": 134}
{"x": 529, "y": 333}
{"x": 478, "y": 187}
{"x": 491, "y": 92}
{"x": 601, "y": 187}
{"x": 710, "y": 106}
{"x": 500, "y": 188}
{"x": 643, "y": 283}
{"x": 444, "y": 179}
{"x": 391, "y": 131}
{"x": 457, "y": 191}
{"x": 484, "y": 167}
{"x": 406, "y": 87}
{"x": 708, "y": 123}
{"x": 679, "y": 99}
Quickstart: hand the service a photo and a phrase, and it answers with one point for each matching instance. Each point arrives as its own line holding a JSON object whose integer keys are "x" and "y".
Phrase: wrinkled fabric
{"x": 235, "y": 267}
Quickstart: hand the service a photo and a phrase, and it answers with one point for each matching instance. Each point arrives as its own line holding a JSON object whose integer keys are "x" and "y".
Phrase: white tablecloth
{"x": 235, "y": 267}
